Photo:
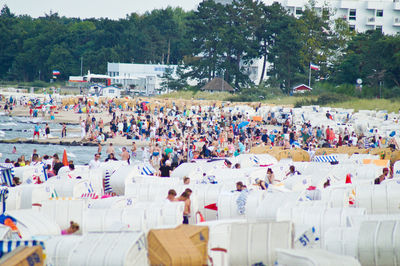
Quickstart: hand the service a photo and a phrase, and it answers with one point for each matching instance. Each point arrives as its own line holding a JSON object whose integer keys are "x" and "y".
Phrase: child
{"x": 74, "y": 227}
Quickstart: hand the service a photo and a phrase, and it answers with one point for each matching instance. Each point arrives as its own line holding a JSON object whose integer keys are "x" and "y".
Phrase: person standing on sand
{"x": 185, "y": 197}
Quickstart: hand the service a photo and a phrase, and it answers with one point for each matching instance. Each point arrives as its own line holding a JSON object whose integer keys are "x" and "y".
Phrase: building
{"x": 361, "y": 15}
{"x": 301, "y": 88}
{"x": 144, "y": 78}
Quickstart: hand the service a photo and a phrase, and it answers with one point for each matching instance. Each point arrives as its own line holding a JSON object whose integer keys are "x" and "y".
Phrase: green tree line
{"x": 215, "y": 40}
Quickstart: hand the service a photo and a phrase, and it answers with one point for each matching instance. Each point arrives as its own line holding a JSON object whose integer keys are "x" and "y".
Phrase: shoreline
{"x": 70, "y": 118}
{"x": 118, "y": 141}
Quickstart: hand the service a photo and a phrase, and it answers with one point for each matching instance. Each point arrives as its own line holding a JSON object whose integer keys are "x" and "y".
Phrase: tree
{"x": 204, "y": 30}
{"x": 272, "y": 21}
{"x": 323, "y": 39}
{"x": 167, "y": 78}
{"x": 8, "y": 49}
{"x": 285, "y": 54}
{"x": 223, "y": 41}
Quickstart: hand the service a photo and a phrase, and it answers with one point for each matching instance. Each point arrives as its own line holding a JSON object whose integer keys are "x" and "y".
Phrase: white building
{"x": 145, "y": 78}
{"x": 362, "y": 15}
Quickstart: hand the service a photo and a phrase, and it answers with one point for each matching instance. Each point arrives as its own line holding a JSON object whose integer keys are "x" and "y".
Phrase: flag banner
{"x": 314, "y": 67}
{"x": 56, "y": 72}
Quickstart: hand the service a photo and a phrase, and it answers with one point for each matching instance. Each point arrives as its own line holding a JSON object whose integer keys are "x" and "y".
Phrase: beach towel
{"x": 241, "y": 202}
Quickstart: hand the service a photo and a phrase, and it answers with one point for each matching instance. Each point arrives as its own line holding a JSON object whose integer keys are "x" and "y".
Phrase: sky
{"x": 113, "y": 9}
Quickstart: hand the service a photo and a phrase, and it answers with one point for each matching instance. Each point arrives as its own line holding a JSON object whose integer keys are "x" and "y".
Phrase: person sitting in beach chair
{"x": 73, "y": 228}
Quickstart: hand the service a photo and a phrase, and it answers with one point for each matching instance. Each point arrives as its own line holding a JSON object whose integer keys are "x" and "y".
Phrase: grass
{"x": 197, "y": 95}
{"x": 370, "y": 104}
{"x": 392, "y": 105}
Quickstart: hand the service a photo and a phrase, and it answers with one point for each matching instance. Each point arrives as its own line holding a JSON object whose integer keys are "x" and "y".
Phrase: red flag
{"x": 348, "y": 179}
{"x": 212, "y": 206}
{"x": 65, "y": 159}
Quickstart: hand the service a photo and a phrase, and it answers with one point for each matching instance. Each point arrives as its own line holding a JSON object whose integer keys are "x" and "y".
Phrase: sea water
{"x": 22, "y": 127}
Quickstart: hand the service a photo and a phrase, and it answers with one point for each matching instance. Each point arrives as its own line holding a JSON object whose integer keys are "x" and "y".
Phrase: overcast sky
{"x": 113, "y": 9}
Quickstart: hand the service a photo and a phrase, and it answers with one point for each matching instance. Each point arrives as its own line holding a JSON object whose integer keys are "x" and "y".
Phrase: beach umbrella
{"x": 65, "y": 158}
{"x": 243, "y": 124}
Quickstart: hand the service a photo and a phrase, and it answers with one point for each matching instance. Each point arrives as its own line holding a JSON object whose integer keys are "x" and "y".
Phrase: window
{"x": 299, "y": 11}
{"x": 378, "y": 28}
{"x": 379, "y": 13}
{"x": 325, "y": 12}
{"x": 352, "y": 27}
{"x": 352, "y": 14}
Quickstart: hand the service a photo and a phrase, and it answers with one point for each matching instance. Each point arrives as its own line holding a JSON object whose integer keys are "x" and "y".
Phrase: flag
{"x": 212, "y": 206}
{"x": 314, "y": 67}
{"x": 56, "y": 72}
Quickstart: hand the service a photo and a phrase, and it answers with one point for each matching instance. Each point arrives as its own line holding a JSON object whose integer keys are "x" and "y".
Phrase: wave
{"x": 9, "y": 124}
{"x": 70, "y": 154}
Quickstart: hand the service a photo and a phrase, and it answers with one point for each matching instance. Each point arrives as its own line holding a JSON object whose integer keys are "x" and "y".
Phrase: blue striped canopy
{"x": 325, "y": 159}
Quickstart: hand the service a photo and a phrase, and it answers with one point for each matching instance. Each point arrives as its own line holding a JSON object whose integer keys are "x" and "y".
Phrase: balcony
{"x": 396, "y": 4}
{"x": 396, "y": 22}
{"x": 371, "y": 21}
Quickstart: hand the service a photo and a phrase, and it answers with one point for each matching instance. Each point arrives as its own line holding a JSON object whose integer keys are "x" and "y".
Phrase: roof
{"x": 302, "y": 87}
{"x": 217, "y": 84}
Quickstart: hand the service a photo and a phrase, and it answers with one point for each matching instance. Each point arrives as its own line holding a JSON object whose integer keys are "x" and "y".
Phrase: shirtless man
{"x": 110, "y": 149}
{"x": 185, "y": 197}
{"x": 125, "y": 155}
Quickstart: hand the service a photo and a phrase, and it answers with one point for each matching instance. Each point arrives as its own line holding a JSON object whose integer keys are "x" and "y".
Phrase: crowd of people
{"x": 179, "y": 134}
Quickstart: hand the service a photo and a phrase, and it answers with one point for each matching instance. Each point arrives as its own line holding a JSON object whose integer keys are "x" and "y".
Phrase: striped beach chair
{"x": 3, "y": 197}
{"x": 7, "y": 174}
{"x": 107, "y": 186}
{"x": 89, "y": 196}
{"x": 7, "y": 246}
{"x": 147, "y": 170}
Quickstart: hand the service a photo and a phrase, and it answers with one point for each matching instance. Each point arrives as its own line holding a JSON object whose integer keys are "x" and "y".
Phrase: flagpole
{"x": 309, "y": 76}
